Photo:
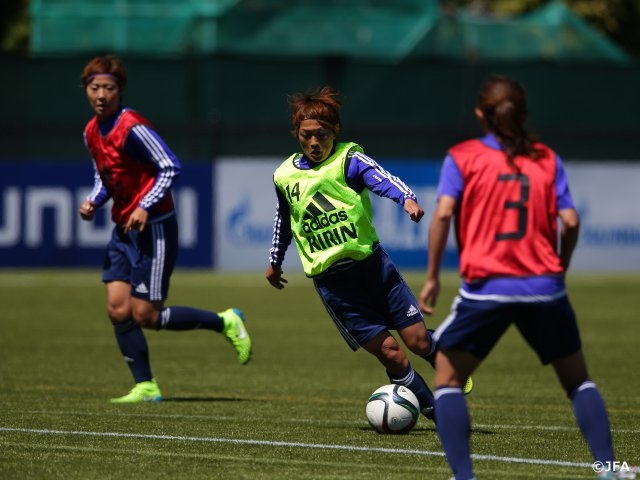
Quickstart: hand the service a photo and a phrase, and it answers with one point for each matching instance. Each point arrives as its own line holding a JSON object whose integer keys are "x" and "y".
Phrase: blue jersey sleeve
{"x": 563, "y": 195}
{"x": 451, "y": 182}
{"x": 364, "y": 172}
{"x": 99, "y": 194}
{"x": 282, "y": 234}
{"x": 145, "y": 145}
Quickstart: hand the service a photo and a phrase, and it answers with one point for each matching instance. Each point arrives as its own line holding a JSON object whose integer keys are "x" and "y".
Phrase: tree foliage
{"x": 14, "y": 25}
{"x": 617, "y": 19}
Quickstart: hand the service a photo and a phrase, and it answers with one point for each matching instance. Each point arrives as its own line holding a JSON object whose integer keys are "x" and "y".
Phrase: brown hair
{"x": 503, "y": 103}
{"x": 106, "y": 64}
{"x": 322, "y": 105}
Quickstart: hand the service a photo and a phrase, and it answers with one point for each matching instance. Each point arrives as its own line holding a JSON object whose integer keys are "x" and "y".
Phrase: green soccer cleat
{"x": 237, "y": 334}
{"x": 468, "y": 386}
{"x": 143, "y": 392}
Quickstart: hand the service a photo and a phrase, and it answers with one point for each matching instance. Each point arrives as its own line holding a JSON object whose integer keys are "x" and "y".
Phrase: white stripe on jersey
{"x": 97, "y": 184}
{"x": 274, "y": 251}
{"x": 164, "y": 162}
{"x": 399, "y": 184}
{"x": 494, "y": 297}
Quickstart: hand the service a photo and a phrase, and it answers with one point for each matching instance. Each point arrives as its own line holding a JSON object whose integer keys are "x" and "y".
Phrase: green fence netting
{"x": 389, "y": 30}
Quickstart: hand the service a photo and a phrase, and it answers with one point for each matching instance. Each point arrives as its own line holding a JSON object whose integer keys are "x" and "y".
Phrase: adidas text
{"x": 324, "y": 221}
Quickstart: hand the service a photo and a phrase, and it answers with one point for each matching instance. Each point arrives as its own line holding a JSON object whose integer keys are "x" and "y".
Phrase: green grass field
{"x": 297, "y": 410}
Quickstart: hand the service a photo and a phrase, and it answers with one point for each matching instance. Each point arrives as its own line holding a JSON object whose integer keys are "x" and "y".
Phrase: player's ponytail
{"x": 503, "y": 104}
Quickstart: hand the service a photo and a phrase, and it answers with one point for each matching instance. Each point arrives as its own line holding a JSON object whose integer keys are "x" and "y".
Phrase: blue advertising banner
{"x": 40, "y": 225}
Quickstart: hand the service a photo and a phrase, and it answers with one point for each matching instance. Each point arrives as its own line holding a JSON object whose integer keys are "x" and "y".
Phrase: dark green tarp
{"x": 390, "y": 30}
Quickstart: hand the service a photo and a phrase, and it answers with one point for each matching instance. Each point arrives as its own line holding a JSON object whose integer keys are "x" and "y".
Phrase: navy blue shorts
{"x": 367, "y": 297}
{"x": 143, "y": 259}
{"x": 475, "y": 326}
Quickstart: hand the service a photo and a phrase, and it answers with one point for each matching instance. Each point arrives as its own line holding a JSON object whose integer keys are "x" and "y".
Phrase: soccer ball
{"x": 393, "y": 409}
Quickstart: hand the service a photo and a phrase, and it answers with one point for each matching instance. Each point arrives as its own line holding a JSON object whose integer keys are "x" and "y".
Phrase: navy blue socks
{"x": 593, "y": 420}
{"x": 454, "y": 429}
{"x": 188, "y": 318}
{"x": 133, "y": 346}
{"x": 414, "y": 382}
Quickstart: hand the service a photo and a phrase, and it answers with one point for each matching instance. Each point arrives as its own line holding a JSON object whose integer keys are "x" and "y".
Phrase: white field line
{"x": 270, "y": 443}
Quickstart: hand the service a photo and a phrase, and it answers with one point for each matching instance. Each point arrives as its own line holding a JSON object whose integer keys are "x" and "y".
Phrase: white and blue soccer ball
{"x": 393, "y": 409}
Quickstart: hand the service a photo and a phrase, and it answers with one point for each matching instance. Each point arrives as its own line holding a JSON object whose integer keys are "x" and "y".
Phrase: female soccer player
{"x": 324, "y": 206}
{"x": 506, "y": 192}
{"x": 136, "y": 170}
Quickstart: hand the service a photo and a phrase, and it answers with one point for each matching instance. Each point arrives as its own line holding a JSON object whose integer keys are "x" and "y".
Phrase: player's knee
{"x": 392, "y": 353}
{"x": 145, "y": 313}
{"x": 118, "y": 313}
{"x": 145, "y": 320}
{"x": 417, "y": 339}
{"x": 145, "y": 317}
{"x": 420, "y": 345}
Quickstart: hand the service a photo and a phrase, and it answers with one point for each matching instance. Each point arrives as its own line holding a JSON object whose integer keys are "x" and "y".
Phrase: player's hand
{"x": 429, "y": 296}
{"x": 274, "y": 277}
{"x": 137, "y": 220}
{"x": 87, "y": 210}
{"x": 414, "y": 210}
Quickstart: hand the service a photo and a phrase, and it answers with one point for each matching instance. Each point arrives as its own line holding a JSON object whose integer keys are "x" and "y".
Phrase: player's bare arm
{"x": 569, "y": 235}
{"x": 438, "y": 234}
